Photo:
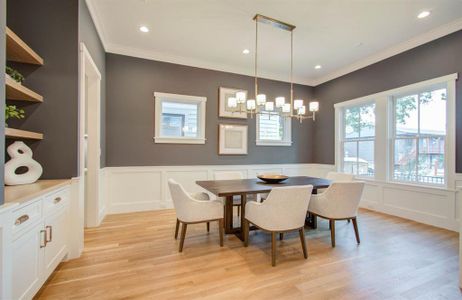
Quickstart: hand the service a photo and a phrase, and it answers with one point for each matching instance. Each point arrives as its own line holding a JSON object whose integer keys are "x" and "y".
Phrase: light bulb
{"x": 298, "y": 103}
{"x": 314, "y": 106}
{"x": 280, "y": 101}
{"x": 240, "y": 96}
{"x": 286, "y": 108}
{"x": 261, "y": 99}
{"x": 232, "y": 102}
{"x": 301, "y": 110}
{"x": 251, "y": 104}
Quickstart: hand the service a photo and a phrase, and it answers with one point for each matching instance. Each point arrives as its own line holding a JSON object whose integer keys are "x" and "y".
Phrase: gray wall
{"x": 2, "y": 93}
{"x": 50, "y": 27}
{"x": 131, "y": 83}
{"x": 437, "y": 58}
{"x": 89, "y": 36}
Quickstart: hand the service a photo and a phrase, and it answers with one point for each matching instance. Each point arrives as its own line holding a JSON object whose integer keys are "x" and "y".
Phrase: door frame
{"x": 90, "y": 182}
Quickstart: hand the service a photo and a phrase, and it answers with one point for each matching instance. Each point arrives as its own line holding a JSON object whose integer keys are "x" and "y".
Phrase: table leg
{"x": 243, "y": 202}
{"x": 229, "y": 215}
{"x": 312, "y": 220}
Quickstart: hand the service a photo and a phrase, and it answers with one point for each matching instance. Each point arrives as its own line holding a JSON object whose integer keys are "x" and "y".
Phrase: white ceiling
{"x": 340, "y": 35}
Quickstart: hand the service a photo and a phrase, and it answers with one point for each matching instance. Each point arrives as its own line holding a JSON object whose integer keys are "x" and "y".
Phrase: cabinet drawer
{"x": 26, "y": 216}
{"x": 55, "y": 201}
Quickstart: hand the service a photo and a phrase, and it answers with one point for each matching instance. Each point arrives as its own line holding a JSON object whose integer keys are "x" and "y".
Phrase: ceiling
{"x": 340, "y": 35}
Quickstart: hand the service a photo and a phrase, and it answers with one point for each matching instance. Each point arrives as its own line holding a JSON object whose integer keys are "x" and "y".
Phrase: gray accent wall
{"x": 51, "y": 29}
{"x": 131, "y": 83}
{"x": 89, "y": 36}
{"x": 437, "y": 58}
{"x": 2, "y": 93}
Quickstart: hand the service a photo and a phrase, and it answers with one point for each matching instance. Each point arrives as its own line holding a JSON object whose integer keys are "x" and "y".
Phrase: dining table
{"x": 228, "y": 189}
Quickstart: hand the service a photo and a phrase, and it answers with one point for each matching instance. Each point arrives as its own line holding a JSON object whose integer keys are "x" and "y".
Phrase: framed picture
{"x": 223, "y": 109}
{"x": 232, "y": 139}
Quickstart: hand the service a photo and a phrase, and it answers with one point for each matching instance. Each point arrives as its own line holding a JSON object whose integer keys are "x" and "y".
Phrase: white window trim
{"x": 287, "y": 135}
{"x": 159, "y": 98}
{"x": 383, "y": 148}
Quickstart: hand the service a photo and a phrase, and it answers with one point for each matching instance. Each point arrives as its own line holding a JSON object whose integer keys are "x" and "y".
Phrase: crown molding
{"x": 98, "y": 24}
{"x": 187, "y": 61}
{"x": 394, "y": 50}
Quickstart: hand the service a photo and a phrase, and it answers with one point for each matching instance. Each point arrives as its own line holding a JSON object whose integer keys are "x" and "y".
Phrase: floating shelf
{"x": 16, "y": 91}
{"x": 17, "y": 50}
{"x": 12, "y": 133}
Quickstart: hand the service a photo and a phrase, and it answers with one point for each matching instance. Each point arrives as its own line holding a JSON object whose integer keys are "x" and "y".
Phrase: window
{"x": 358, "y": 140}
{"x": 273, "y": 130}
{"x": 179, "y": 119}
{"x": 419, "y": 136}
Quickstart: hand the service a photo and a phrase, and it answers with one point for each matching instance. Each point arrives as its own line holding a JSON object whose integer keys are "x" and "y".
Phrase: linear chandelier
{"x": 259, "y": 105}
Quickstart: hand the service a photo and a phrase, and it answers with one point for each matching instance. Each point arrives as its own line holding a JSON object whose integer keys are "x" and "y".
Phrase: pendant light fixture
{"x": 260, "y": 105}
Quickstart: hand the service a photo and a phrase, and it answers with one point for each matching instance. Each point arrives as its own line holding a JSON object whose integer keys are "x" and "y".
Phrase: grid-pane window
{"x": 419, "y": 137}
{"x": 358, "y": 140}
{"x": 273, "y": 130}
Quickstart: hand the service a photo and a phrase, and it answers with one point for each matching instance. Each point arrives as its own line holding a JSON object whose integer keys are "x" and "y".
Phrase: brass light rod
{"x": 273, "y": 22}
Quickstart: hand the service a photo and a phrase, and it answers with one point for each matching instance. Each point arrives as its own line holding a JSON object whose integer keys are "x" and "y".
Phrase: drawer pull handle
{"x": 43, "y": 238}
{"x": 50, "y": 237}
{"x": 57, "y": 200}
{"x": 21, "y": 219}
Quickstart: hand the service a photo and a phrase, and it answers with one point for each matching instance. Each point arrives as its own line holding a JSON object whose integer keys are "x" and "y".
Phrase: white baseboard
{"x": 130, "y": 189}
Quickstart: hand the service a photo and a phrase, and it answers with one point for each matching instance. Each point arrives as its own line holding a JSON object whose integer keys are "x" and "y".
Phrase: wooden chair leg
{"x": 183, "y": 235}
{"x": 281, "y": 236}
{"x": 221, "y": 229}
{"x": 355, "y": 226}
{"x": 176, "y": 228}
{"x": 332, "y": 232}
{"x": 246, "y": 228}
{"x": 301, "y": 231}
{"x": 208, "y": 226}
{"x": 273, "y": 249}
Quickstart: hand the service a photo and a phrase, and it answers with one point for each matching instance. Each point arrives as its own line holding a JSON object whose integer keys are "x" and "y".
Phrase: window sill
{"x": 274, "y": 143}
{"x": 405, "y": 184}
{"x": 168, "y": 140}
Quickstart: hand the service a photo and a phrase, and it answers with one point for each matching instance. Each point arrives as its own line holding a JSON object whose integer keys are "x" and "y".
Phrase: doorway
{"x": 89, "y": 139}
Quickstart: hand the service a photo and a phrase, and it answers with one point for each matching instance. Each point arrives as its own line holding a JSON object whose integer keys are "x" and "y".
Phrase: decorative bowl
{"x": 271, "y": 178}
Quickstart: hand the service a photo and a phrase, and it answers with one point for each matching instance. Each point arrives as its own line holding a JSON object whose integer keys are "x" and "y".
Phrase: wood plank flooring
{"x": 134, "y": 256}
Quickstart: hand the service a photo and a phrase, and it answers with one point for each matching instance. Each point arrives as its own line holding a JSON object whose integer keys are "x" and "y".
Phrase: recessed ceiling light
{"x": 246, "y": 51}
{"x": 317, "y": 67}
{"x": 144, "y": 29}
{"x": 423, "y": 14}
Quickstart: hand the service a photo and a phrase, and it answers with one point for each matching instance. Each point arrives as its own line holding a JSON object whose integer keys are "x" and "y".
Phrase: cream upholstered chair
{"x": 190, "y": 210}
{"x": 337, "y": 176}
{"x": 340, "y": 201}
{"x": 283, "y": 211}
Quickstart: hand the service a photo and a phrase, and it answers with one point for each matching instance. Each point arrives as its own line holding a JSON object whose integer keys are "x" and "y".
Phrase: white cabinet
{"x": 27, "y": 263}
{"x": 40, "y": 241}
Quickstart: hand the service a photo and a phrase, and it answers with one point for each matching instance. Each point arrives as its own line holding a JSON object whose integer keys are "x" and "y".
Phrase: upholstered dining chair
{"x": 282, "y": 211}
{"x": 340, "y": 201}
{"x": 231, "y": 175}
{"x": 338, "y": 176}
{"x": 192, "y": 210}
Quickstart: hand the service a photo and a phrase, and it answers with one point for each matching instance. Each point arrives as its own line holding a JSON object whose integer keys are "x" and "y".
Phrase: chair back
{"x": 342, "y": 199}
{"x": 228, "y": 175}
{"x": 180, "y": 199}
{"x": 288, "y": 206}
{"x": 337, "y": 176}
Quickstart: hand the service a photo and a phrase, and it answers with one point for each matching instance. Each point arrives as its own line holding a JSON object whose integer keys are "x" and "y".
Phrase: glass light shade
{"x": 251, "y": 104}
{"x": 269, "y": 106}
{"x": 232, "y": 102}
{"x": 314, "y": 106}
{"x": 298, "y": 103}
{"x": 301, "y": 110}
{"x": 240, "y": 96}
{"x": 261, "y": 99}
{"x": 286, "y": 108}
{"x": 280, "y": 101}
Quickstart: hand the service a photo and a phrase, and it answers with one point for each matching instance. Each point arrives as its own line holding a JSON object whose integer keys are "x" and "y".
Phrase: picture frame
{"x": 232, "y": 139}
{"x": 223, "y": 110}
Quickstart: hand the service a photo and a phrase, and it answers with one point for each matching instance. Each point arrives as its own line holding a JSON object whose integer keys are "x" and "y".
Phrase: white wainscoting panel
{"x": 130, "y": 189}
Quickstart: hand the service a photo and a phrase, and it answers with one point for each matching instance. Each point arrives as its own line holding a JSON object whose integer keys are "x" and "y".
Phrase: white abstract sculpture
{"x": 21, "y": 156}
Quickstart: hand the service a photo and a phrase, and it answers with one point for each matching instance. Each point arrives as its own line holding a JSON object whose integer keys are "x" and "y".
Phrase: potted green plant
{"x": 12, "y": 112}
{"x": 15, "y": 75}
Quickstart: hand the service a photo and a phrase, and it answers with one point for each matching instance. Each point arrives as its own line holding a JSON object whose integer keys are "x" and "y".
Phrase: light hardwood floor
{"x": 135, "y": 256}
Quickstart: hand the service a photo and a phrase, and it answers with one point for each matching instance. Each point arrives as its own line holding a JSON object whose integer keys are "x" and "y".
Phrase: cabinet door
{"x": 56, "y": 227}
{"x": 27, "y": 263}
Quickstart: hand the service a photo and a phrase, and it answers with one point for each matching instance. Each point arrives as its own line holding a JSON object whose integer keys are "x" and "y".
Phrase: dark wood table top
{"x": 222, "y": 188}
